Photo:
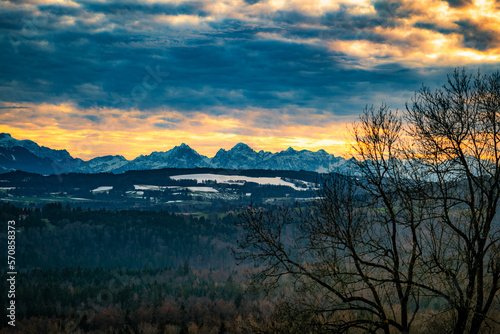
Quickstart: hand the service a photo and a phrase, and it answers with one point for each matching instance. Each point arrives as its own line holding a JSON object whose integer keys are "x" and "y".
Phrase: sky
{"x": 133, "y": 77}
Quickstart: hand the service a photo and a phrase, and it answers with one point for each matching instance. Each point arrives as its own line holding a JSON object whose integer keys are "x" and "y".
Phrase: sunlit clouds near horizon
{"x": 132, "y": 77}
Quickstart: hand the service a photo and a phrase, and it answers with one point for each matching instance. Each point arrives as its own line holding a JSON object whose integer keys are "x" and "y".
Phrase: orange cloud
{"x": 409, "y": 44}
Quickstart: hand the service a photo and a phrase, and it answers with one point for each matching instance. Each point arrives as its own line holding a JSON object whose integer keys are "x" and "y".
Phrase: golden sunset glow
{"x": 130, "y": 136}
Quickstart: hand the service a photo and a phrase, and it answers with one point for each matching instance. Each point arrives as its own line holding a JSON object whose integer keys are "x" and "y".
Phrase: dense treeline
{"x": 177, "y": 300}
{"x": 59, "y": 236}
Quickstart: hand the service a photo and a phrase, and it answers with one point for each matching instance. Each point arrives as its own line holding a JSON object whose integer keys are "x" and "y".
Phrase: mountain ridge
{"x": 241, "y": 156}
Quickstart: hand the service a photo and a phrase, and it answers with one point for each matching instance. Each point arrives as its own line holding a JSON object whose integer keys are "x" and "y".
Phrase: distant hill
{"x": 26, "y": 155}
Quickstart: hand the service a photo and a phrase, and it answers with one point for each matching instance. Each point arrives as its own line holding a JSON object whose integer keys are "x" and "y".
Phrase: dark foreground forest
{"x": 125, "y": 272}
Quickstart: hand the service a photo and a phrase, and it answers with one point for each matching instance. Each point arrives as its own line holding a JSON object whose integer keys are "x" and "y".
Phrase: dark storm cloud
{"x": 434, "y": 27}
{"x": 252, "y": 2}
{"x": 458, "y": 3}
{"x": 92, "y": 118}
{"x": 389, "y": 9}
{"x": 138, "y": 9}
{"x": 165, "y": 126}
{"x": 476, "y": 37}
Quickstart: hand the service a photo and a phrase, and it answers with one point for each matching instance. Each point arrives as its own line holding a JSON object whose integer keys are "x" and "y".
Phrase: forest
{"x": 132, "y": 271}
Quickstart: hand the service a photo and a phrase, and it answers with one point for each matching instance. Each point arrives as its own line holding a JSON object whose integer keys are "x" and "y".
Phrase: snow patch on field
{"x": 148, "y": 187}
{"x": 235, "y": 179}
{"x": 203, "y": 189}
{"x": 102, "y": 188}
{"x": 132, "y": 192}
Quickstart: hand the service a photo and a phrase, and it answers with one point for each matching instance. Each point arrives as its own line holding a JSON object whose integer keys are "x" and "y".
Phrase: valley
{"x": 197, "y": 191}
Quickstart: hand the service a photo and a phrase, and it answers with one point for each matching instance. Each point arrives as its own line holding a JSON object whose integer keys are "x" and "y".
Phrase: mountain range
{"x": 28, "y": 156}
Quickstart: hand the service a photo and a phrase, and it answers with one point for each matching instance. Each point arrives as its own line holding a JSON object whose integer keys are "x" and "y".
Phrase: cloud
{"x": 13, "y": 107}
{"x": 308, "y": 61}
{"x": 477, "y": 37}
{"x": 458, "y": 3}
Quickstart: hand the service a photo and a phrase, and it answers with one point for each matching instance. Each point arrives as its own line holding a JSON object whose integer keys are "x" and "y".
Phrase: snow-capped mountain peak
{"x": 107, "y": 163}
{"x": 7, "y": 141}
{"x": 242, "y": 147}
{"x": 181, "y": 156}
{"x": 241, "y": 156}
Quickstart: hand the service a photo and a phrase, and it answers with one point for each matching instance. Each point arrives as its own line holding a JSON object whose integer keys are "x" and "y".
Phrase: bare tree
{"x": 348, "y": 259}
{"x": 413, "y": 224}
{"x": 456, "y": 132}
{"x": 336, "y": 264}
